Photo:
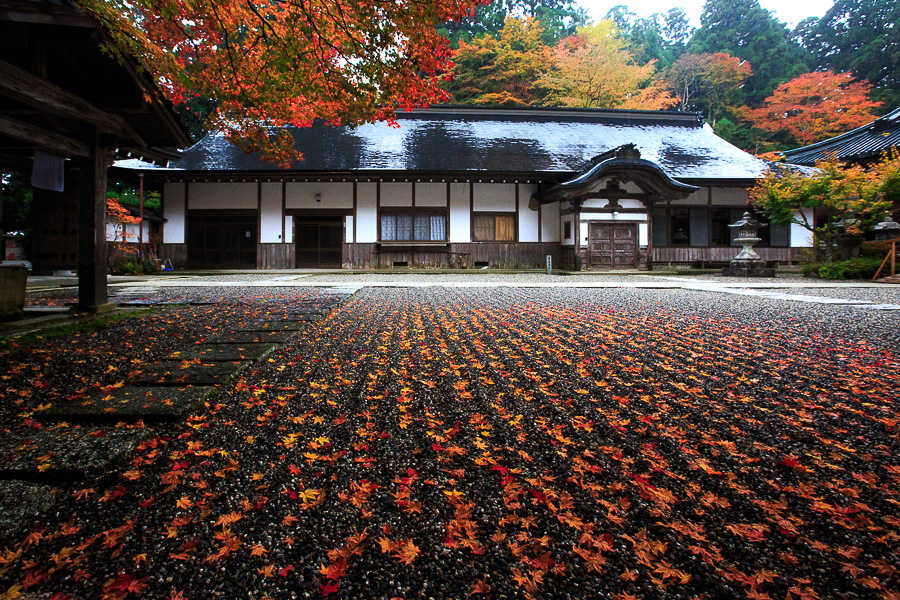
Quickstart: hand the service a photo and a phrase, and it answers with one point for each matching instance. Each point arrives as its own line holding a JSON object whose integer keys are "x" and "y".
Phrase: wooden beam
{"x": 43, "y": 139}
{"x": 24, "y": 87}
{"x": 44, "y": 13}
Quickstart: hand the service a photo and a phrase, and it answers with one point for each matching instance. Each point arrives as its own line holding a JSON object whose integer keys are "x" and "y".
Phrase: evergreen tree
{"x": 862, "y": 37}
{"x": 744, "y": 29}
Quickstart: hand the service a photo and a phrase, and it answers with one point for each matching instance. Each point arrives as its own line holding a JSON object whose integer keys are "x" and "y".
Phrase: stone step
{"x": 273, "y": 325}
{"x": 129, "y": 404}
{"x": 55, "y": 454}
{"x": 248, "y": 337}
{"x": 223, "y": 352}
{"x": 183, "y": 373}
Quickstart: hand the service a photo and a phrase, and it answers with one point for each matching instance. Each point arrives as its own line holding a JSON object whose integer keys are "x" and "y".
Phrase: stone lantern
{"x": 747, "y": 263}
{"x": 888, "y": 229}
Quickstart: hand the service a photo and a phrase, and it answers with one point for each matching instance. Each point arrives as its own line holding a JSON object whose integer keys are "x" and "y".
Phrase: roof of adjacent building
{"x": 496, "y": 140}
{"x": 860, "y": 144}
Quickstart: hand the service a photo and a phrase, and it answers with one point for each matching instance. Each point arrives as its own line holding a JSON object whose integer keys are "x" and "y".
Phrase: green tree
{"x": 557, "y": 18}
{"x": 744, "y": 29}
{"x": 862, "y": 37}
{"x": 676, "y": 30}
{"x": 487, "y": 19}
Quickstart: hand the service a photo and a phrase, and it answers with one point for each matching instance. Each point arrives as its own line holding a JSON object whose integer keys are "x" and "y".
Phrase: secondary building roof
{"x": 859, "y": 145}
{"x": 496, "y": 140}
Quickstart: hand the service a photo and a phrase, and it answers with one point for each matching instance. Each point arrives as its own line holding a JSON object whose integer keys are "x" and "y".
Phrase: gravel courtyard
{"x": 493, "y": 442}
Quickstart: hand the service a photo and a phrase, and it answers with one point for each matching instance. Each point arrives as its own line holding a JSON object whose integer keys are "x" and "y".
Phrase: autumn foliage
{"x": 269, "y": 64}
{"x": 833, "y": 200}
{"x": 816, "y": 106}
{"x": 506, "y": 442}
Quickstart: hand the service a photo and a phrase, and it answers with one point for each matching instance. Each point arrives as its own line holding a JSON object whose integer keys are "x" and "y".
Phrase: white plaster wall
{"x": 528, "y": 219}
{"x": 460, "y": 222}
{"x": 584, "y": 233}
{"x": 396, "y": 193}
{"x": 729, "y": 196}
{"x": 270, "y": 216}
{"x": 348, "y": 229}
{"x": 334, "y": 194}
{"x": 132, "y": 232}
{"x": 550, "y": 227}
{"x": 431, "y": 194}
{"x": 222, "y": 194}
{"x": 801, "y": 237}
{"x": 288, "y": 229}
{"x": 494, "y": 197}
{"x": 701, "y": 196}
{"x": 366, "y": 213}
{"x": 174, "y": 211}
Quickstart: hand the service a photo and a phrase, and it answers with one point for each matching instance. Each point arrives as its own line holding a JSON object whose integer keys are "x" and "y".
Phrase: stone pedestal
{"x": 748, "y": 268}
{"x": 12, "y": 290}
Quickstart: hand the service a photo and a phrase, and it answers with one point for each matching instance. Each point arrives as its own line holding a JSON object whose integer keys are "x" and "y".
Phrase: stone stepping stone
{"x": 302, "y": 317}
{"x": 273, "y": 326}
{"x": 22, "y": 502}
{"x": 226, "y": 352}
{"x": 188, "y": 373}
{"x": 55, "y": 454}
{"x": 150, "y": 404}
{"x": 247, "y": 337}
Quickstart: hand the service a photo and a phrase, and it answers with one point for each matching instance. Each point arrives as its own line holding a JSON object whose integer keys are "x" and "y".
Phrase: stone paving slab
{"x": 274, "y": 326}
{"x": 65, "y": 453}
{"x": 248, "y": 337}
{"x": 21, "y": 502}
{"x": 188, "y": 373}
{"x": 226, "y": 352}
{"x": 151, "y": 404}
{"x": 302, "y": 317}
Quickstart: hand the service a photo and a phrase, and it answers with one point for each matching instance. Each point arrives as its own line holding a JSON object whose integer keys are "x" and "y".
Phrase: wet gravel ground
{"x": 499, "y": 443}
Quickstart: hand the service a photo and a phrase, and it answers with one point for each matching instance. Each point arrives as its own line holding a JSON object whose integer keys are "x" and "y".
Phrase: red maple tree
{"x": 816, "y": 106}
{"x": 269, "y": 64}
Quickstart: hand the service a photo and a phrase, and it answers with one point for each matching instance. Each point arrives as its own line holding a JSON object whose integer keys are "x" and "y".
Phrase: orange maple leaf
{"x": 408, "y": 552}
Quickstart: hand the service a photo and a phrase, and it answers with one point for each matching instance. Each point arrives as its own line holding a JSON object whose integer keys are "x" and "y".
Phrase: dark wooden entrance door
{"x": 221, "y": 241}
{"x": 612, "y": 245}
{"x": 319, "y": 242}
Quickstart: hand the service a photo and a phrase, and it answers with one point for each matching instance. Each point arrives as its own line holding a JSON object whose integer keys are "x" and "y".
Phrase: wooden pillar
{"x": 92, "y": 294}
{"x": 649, "y": 236}
{"x": 576, "y": 204}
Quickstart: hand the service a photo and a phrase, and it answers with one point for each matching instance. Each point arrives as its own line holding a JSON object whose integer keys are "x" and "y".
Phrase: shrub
{"x": 133, "y": 268}
{"x": 855, "y": 268}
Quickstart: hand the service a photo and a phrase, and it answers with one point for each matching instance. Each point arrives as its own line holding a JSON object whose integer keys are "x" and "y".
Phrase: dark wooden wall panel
{"x": 454, "y": 256}
{"x": 176, "y": 253}
{"x": 697, "y": 255}
{"x": 275, "y": 256}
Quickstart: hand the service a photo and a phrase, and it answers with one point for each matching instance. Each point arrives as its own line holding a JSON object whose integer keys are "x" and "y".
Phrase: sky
{"x": 785, "y": 11}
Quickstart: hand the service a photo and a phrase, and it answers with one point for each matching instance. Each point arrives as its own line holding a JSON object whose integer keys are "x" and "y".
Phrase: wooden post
{"x": 141, "y": 221}
{"x": 92, "y": 294}
{"x": 649, "y": 235}
{"x": 576, "y": 204}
